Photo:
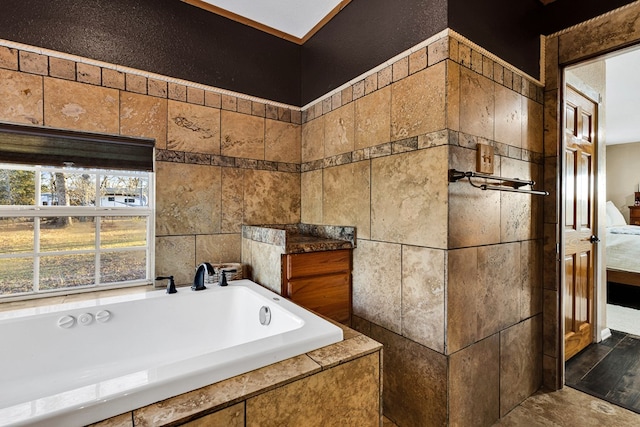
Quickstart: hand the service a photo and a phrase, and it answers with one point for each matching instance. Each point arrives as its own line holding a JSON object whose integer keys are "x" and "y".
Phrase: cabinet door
{"x": 329, "y": 295}
{"x": 317, "y": 263}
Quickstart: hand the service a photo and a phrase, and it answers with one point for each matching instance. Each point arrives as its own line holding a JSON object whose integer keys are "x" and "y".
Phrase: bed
{"x": 622, "y": 249}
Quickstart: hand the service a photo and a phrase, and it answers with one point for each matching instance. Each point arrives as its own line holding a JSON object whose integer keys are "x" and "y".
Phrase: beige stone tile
{"x": 607, "y": 32}
{"x": 531, "y": 276}
{"x": 345, "y": 350}
{"x": 552, "y": 71}
{"x": 385, "y": 76}
{"x": 423, "y": 289}
{"x": 453, "y": 95}
{"x": 212, "y": 99}
{"x": 187, "y": 199}
{"x": 439, "y": 50}
{"x": 418, "y": 60}
{"x": 193, "y": 128}
{"x": 195, "y": 95}
{"x": 229, "y": 102}
{"x": 568, "y": 407}
{"x": 518, "y": 218}
{"x": 313, "y": 140}
{"x": 520, "y": 362}
{"x": 473, "y": 214}
{"x": 242, "y": 135}
{"x": 177, "y": 92}
{"x": 477, "y": 105}
{"x": 110, "y": 78}
{"x": 233, "y": 416}
{"x": 400, "y": 69}
{"x": 218, "y": 248}
{"x": 144, "y": 116}
{"x": 415, "y": 381}
{"x": 8, "y": 58}
{"x": 311, "y": 197}
{"x": 123, "y": 420}
{"x": 178, "y": 409}
{"x": 244, "y": 106}
{"x": 282, "y": 141}
{"x": 550, "y": 134}
{"x": 462, "y": 296}
{"x": 409, "y": 198}
{"x": 370, "y": 83}
{"x": 474, "y": 380}
{"x": 418, "y": 103}
{"x": 372, "y": 119}
{"x": 78, "y": 106}
{"x": 175, "y": 256}
{"x": 62, "y": 68}
{"x": 508, "y": 116}
{"x": 34, "y": 63}
{"x": 305, "y": 402}
{"x": 532, "y": 125}
{"x": 158, "y": 88}
{"x": 551, "y": 319}
{"x": 377, "y": 286}
{"x": 339, "y": 131}
{"x": 136, "y": 83}
{"x": 21, "y": 98}
{"x": 271, "y": 197}
{"x": 232, "y": 200}
{"x": 345, "y": 199}
{"x": 265, "y": 264}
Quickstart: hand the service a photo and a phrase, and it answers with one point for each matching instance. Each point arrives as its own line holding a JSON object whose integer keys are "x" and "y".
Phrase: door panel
{"x": 580, "y": 131}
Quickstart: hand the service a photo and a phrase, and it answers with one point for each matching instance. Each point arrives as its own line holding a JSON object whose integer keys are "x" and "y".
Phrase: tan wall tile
{"x": 462, "y": 296}
{"x": 377, "y": 288}
{"x": 474, "y": 379}
{"x": 242, "y": 135}
{"x": 177, "y": 92}
{"x": 477, "y": 105}
{"x": 339, "y": 131}
{"x": 418, "y": 60}
{"x": 415, "y": 381}
{"x": 372, "y": 119}
{"x": 136, "y": 83}
{"x": 311, "y": 195}
{"x": 313, "y": 140}
{"x": 346, "y": 199}
{"x": 187, "y": 199}
{"x": 34, "y": 63}
{"x": 93, "y": 74}
{"x": 532, "y": 125}
{"x": 271, "y": 197}
{"x": 244, "y": 106}
{"x": 508, "y": 116}
{"x": 400, "y": 69}
{"x": 520, "y": 362}
{"x": 62, "y": 68}
{"x": 158, "y": 88}
{"x": 531, "y": 278}
{"x": 282, "y": 141}
{"x": 519, "y": 219}
{"x": 409, "y": 198}
{"x": 300, "y": 402}
{"x": 418, "y": 103}
{"x": 423, "y": 288}
{"x": 265, "y": 263}
{"x": 438, "y": 50}
{"x": 233, "y": 416}
{"x": 110, "y": 78}
{"x": 218, "y": 248}
{"x": 21, "y": 98}
{"x": 122, "y": 420}
{"x": 78, "y": 106}
{"x": 453, "y": 95}
{"x": 144, "y": 116}
{"x": 232, "y": 200}
{"x": 193, "y": 128}
{"x": 195, "y": 95}
{"x": 8, "y": 58}
{"x": 212, "y": 99}
{"x": 175, "y": 256}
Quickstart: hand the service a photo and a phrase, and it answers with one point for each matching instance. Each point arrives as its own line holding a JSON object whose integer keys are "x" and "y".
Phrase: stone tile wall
{"x": 221, "y": 160}
{"x": 446, "y": 276}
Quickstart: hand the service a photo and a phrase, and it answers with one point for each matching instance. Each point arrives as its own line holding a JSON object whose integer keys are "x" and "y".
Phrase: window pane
{"x": 16, "y": 275}
{"x": 123, "y": 232}
{"x": 17, "y": 187}
{"x": 67, "y": 271}
{"x": 16, "y": 235}
{"x": 121, "y": 266}
{"x": 123, "y": 191}
{"x": 68, "y": 188}
{"x": 67, "y": 233}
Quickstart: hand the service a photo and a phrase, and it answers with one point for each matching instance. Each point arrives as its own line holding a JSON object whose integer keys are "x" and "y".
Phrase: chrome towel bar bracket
{"x": 513, "y": 185}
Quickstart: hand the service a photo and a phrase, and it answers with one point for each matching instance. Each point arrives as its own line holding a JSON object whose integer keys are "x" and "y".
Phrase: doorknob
{"x": 594, "y": 239}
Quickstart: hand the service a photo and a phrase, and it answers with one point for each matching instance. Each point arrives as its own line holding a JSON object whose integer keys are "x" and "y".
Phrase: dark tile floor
{"x": 609, "y": 370}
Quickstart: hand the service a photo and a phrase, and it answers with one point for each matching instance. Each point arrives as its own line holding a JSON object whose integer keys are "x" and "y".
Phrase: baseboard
{"x": 605, "y": 333}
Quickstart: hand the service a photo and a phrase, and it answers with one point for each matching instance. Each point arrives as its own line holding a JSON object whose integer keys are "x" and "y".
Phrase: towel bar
{"x": 505, "y": 184}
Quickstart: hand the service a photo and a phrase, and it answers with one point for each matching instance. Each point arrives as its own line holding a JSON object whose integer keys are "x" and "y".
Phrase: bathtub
{"x": 75, "y": 364}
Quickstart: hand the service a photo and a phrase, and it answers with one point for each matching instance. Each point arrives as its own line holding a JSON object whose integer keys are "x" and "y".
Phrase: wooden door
{"x": 580, "y": 140}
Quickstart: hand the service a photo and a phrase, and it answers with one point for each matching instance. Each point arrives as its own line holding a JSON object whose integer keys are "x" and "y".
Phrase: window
{"x": 66, "y": 227}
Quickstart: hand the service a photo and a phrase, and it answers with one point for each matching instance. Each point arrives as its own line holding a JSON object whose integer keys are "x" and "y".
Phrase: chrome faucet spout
{"x": 198, "y": 281}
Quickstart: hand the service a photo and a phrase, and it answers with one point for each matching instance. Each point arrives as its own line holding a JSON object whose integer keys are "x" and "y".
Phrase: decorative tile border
{"x": 44, "y": 62}
{"x": 224, "y": 161}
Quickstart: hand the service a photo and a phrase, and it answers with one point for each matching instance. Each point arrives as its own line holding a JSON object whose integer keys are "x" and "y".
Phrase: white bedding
{"x": 623, "y": 248}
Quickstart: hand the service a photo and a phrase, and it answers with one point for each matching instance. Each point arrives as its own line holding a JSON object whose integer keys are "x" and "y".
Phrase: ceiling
{"x": 294, "y": 20}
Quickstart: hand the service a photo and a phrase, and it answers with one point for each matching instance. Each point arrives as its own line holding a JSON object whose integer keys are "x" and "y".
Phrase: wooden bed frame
{"x": 623, "y": 277}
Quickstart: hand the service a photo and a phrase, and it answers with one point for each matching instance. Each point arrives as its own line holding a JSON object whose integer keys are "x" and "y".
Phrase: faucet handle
{"x": 171, "y": 285}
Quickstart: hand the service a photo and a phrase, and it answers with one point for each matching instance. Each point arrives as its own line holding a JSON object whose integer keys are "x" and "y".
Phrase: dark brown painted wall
{"x": 167, "y": 37}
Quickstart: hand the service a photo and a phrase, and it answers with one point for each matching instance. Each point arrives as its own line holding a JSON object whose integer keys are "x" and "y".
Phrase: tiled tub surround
{"x": 221, "y": 160}
{"x": 264, "y": 245}
{"x": 446, "y": 276}
{"x": 357, "y": 355}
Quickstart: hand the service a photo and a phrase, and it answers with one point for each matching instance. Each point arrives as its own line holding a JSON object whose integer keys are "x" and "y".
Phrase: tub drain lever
{"x": 171, "y": 285}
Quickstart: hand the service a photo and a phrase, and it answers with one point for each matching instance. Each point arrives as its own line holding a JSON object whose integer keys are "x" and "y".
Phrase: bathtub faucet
{"x": 198, "y": 281}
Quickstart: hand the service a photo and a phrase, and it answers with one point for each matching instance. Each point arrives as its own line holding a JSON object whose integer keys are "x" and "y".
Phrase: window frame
{"x": 40, "y": 210}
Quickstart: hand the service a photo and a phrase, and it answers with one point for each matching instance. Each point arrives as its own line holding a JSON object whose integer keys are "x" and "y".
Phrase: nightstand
{"x": 634, "y": 215}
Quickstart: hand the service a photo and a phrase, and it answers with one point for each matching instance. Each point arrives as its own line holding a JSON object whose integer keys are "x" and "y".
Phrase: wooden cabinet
{"x": 634, "y": 215}
{"x": 319, "y": 281}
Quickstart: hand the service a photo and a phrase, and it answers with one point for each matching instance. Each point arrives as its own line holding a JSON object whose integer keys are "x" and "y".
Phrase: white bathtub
{"x": 150, "y": 347}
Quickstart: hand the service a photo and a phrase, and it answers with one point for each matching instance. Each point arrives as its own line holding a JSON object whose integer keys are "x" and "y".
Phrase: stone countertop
{"x": 301, "y": 238}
